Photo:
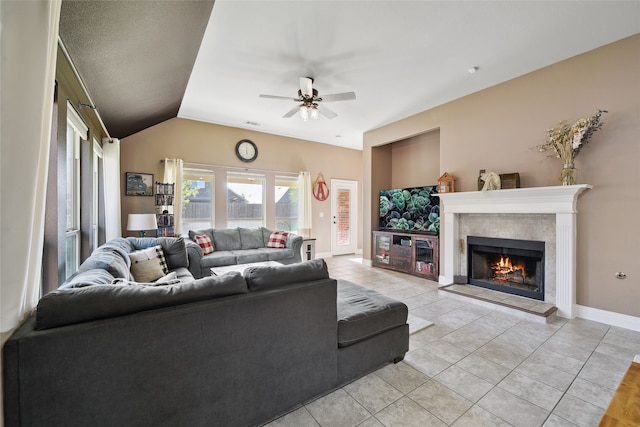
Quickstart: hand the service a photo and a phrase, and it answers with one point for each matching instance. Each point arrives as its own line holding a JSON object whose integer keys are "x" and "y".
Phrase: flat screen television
{"x": 410, "y": 209}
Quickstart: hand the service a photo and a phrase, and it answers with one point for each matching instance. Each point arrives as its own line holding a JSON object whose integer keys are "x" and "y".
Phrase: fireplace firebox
{"x": 506, "y": 265}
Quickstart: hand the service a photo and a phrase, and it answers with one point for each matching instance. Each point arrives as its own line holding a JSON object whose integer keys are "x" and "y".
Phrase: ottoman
{"x": 372, "y": 330}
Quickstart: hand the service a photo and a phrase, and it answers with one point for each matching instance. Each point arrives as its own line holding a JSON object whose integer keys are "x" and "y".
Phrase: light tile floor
{"x": 476, "y": 366}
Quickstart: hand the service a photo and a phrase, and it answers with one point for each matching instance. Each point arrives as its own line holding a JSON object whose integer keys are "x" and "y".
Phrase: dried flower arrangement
{"x": 565, "y": 142}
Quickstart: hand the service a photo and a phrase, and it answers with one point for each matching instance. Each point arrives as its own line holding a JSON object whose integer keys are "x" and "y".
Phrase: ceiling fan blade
{"x": 306, "y": 86}
{"x": 329, "y": 114}
{"x": 291, "y": 112}
{"x": 287, "y": 98}
{"x": 345, "y": 96}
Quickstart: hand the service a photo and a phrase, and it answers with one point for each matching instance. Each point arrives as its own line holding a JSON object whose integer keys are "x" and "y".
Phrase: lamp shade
{"x": 142, "y": 222}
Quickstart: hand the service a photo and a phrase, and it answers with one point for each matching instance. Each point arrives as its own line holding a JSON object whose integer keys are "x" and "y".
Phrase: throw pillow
{"x": 204, "y": 241}
{"x": 278, "y": 239}
{"x": 148, "y": 264}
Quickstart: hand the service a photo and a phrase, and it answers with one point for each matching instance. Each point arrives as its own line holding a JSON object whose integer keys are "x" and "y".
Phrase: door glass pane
{"x": 245, "y": 195}
{"x": 343, "y": 219}
{"x": 286, "y": 193}
{"x": 197, "y": 199}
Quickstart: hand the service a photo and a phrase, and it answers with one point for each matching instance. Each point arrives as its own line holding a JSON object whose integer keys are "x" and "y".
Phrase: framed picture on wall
{"x": 139, "y": 184}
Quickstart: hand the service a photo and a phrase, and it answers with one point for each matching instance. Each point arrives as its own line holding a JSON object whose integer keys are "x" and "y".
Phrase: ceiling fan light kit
{"x": 310, "y": 107}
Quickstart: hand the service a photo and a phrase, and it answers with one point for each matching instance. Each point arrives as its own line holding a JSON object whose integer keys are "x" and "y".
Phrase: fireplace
{"x": 507, "y": 265}
{"x": 559, "y": 201}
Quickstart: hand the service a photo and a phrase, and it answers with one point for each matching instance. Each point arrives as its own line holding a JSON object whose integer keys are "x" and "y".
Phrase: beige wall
{"x": 495, "y": 129}
{"x": 415, "y": 161}
{"x": 205, "y": 143}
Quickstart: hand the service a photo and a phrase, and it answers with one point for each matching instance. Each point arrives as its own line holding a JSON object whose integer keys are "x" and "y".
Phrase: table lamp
{"x": 141, "y": 223}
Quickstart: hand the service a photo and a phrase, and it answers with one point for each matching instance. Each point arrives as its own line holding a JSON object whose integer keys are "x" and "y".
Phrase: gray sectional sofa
{"x": 229, "y": 350}
{"x": 239, "y": 246}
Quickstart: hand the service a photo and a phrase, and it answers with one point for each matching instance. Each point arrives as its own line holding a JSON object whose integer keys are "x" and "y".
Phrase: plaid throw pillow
{"x": 277, "y": 239}
{"x": 204, "y": 241}
{"x": 148, "y": 264}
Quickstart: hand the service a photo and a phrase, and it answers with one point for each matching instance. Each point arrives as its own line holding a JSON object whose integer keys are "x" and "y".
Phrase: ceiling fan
{"x": 311, "y": 102}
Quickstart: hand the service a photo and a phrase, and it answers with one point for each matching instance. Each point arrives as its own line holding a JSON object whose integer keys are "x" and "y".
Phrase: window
{"x": 286, "y": 192}
{"x": 198, "y": 199}
{"x": 245, "y": 195}
{"x": 97, "y": 193}
{"x": 76, "y": 131}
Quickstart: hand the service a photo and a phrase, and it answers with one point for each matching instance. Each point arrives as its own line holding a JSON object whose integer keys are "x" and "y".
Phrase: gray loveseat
{"x": 232, "y": 350}
{"x": 239, "y": 246}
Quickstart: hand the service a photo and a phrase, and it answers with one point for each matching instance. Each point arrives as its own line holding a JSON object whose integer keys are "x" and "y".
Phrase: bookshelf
{"x": 164, "y": 209}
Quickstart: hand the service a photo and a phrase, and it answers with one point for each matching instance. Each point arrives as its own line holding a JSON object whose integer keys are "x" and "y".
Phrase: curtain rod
{"x": 235, "y": 167}
{"x": 91, "y": 104}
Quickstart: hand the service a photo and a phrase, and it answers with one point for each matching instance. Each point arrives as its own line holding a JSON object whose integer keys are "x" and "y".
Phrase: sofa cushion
{"x": 363, "y": 313}
{"x": 204, "y": 241}
{"x": 88, "y": 278}
{"x": 174, "y": 248}
{"x": 218, "y": 259}
{"x": 277, "y": 254}
{"x": 148, "y": 265}
{"x": 227, "y": 239}
{"x": 183, "y": 274}
{"x": 269, "y": 277}
{"x": 250, "y": 255}
{"x": 169, "y": 278}
{"x": 251, "y": 238}
{"x": 112, "y": 259}
{"x": 118, "y": 244}
{"x": 70, "y": 306}
{"x": 278, "y": 239}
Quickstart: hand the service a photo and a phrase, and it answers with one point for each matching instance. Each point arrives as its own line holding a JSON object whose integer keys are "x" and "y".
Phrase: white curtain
{"x": 304, "y": 204}
{"x": 173, "y": 175}
{"x": 112, "y": 212}
{"x": 28, "y": 52}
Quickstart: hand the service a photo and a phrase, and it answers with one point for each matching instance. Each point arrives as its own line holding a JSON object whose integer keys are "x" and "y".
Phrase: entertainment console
{"x": 413, "y": 253}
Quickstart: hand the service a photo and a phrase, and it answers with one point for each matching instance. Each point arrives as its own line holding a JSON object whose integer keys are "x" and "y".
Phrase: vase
{"x": 568, "y": 175}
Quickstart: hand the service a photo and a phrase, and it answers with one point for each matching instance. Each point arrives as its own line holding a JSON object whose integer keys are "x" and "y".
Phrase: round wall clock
{"x": 246, "y": 150}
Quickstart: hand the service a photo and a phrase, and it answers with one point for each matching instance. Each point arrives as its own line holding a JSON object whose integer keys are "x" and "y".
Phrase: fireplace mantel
{"x": 551, "y": 200}
{"x": 558, "y": 200}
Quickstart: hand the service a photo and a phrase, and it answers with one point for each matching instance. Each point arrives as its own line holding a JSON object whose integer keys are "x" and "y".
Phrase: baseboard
{"x": 608, "y": 317}
{"x": 323, "y": 255}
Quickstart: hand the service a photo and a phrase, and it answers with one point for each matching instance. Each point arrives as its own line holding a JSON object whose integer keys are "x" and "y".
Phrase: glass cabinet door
{"x": 381, "y": 247}
{"x": 426, "y": 256}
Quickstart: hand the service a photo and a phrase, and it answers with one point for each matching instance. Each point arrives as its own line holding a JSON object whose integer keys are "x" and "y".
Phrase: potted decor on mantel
{"x": 565, "y": 143}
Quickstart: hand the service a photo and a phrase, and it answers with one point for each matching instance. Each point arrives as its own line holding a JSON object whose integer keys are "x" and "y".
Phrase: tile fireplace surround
{"x": 559, "y": 201}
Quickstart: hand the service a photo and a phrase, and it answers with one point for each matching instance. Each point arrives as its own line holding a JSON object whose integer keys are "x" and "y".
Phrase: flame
{"x": 504, "y": 266}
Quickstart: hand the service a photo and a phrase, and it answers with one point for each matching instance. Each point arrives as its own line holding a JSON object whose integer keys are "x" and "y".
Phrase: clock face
{"x": 246, "y": 150}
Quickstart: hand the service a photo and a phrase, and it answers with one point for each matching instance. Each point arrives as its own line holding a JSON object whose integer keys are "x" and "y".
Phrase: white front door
{"x": 344, "y": 209}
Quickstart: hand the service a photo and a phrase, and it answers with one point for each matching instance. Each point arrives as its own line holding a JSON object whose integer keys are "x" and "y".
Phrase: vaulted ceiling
{"x": 144, "y": 62}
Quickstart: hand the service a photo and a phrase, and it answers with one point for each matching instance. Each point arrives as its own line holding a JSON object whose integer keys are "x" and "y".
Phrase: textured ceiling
{"x": 400, "y": 58}
{"x": 135, "y": 57}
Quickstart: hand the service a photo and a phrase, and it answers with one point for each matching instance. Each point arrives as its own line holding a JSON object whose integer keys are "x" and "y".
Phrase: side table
{"x": 308, "y": 249}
